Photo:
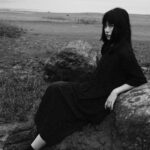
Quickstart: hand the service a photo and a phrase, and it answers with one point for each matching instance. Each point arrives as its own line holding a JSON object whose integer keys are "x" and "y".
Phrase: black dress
{"x": 67, "y": 107}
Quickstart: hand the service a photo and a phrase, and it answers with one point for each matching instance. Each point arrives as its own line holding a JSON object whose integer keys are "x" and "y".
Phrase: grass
{"x": 21, "y": 87}
{"x": 19, "y": 94}
{"x": 7, "y": 30}
{"x": 22, "y": 59}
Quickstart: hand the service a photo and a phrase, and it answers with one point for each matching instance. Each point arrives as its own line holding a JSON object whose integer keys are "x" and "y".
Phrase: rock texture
{"x": 132, "y": 114}
{"x": 92, "y": 137}
{"x": 16, "y": 136}
{"x": 74, "y": 62}
{"x": 83, "y": 48}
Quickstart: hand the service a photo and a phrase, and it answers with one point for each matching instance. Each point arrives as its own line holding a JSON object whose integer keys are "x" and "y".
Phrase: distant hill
{"x": 24, "y": 15}
{"x": 70, "y": 23}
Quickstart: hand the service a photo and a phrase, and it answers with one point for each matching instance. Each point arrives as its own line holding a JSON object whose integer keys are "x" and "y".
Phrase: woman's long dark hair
{"x": 122, "y": 29}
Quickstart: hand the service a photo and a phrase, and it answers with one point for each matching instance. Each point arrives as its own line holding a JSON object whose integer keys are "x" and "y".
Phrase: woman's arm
{"x": 130, "y": 68}
{"x": 113, "y": 95}
{"x": 132, "y": 72}
{"x": 122, "y": 88}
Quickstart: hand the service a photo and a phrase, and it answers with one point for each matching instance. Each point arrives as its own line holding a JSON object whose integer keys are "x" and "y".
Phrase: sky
{"x": 132, "y": 6}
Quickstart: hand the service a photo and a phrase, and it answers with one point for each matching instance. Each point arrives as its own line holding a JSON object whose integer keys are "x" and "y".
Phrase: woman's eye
{"x": 111, "y": 25}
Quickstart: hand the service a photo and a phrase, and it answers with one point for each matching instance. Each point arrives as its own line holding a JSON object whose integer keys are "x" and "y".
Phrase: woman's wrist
{"x": 116, "y": 91}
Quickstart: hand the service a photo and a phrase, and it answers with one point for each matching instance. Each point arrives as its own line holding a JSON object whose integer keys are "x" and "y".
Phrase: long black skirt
{"x": 61, "y": 112}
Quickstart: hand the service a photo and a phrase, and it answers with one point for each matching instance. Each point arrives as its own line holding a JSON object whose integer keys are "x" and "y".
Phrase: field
{"x": 21, "y": 59}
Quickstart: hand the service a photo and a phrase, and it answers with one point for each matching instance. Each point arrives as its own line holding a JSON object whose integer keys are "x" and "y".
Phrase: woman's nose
{"x": 107, "y": 29}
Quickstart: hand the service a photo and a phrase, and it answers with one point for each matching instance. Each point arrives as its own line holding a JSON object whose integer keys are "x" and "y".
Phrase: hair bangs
{"x": 109, "y": 18}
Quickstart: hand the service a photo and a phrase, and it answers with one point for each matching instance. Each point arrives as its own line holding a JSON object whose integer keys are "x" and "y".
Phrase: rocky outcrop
{"x": 92, "y": 137}
{"x": 132, "y": 118}
{"x": 74, "y": 62}
{"x": 16, "y": 136}
{"x": 126, "y": 128}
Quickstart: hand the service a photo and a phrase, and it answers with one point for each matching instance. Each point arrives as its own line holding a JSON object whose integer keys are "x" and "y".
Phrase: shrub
{"x": 86, "y": 21}
{"x": 11, "y": 31}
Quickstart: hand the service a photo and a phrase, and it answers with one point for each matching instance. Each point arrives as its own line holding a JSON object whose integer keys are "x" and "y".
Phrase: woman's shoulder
{"x": 121, "y": 48}
{"x": 125, "y": 48}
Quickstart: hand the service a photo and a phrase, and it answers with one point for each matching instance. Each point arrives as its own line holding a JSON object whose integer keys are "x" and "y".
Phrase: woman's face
{"x": 108, "y": 29}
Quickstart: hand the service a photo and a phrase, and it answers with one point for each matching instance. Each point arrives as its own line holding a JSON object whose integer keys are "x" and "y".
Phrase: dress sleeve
{"x": 131, "y": 69}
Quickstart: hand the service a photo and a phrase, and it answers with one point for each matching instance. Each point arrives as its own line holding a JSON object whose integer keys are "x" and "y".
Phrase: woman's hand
{"x": 111, "y": 100}
{"x": 113, "y": 95}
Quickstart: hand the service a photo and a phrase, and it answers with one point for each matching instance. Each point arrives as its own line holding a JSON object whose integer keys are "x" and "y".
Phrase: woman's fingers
{"x": 109, "y": 104}
{"x": 110, "y": 101}
{"x": 106, "y": 105}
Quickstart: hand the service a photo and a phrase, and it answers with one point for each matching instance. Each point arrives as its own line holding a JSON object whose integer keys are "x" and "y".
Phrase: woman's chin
{"x": 108, "y": 37}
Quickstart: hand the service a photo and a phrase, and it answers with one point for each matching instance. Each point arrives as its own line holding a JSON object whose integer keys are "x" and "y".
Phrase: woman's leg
{"x": 55, "y": 119}
{"x": 38, "y": 143}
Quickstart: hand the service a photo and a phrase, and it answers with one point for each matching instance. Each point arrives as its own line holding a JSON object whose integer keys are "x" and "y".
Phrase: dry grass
{"x": 21, "y": 64}
{"x": 19, "y": 94}
{"x": 10, "y": 31}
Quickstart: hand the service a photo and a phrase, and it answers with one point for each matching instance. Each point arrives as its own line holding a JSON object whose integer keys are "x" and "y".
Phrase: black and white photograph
{"x": 74, "y": 75}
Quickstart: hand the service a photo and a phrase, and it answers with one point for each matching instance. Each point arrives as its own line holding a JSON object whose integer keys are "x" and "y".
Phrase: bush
{"x": 10, "y": 31}
{"x": 86, "y": 21}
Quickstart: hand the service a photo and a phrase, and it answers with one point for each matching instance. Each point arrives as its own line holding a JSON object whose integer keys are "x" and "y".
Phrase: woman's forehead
{"x": 107, "y": 22}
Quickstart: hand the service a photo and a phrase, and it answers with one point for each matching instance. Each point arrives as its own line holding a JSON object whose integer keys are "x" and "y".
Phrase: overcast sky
{"x": 132, "y": 6}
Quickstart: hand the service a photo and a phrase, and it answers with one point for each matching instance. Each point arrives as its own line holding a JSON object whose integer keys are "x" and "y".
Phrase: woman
{"x": 66, "y": 106}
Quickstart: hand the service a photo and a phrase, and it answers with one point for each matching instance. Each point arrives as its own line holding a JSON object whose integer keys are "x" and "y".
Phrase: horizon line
{"x": 48, "y": 11}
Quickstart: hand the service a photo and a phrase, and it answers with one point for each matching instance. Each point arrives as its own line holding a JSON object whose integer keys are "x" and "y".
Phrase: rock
{"x": 83, "y": 48}
{"x": 16, "y": 136}
{"x": 92, "y": 137}
{"x": 132, "y": 113}
{"x": 126, "y": 128}
{"x": 74, "y": 62}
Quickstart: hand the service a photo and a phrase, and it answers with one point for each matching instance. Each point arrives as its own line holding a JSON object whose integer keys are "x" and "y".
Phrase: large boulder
{"x": 92, "y": 137}
{"x": 74, "y": 62}
{"x": 126, "y": 128}
{"x": 132, "y": 114}
{"x": 83, "y": 48}
{"x": 17, "y": 136}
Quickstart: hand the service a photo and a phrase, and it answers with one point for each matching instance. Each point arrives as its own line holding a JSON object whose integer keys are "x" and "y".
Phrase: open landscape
{"x": 22, "y": 57}
{"x": 28, "y": 41}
